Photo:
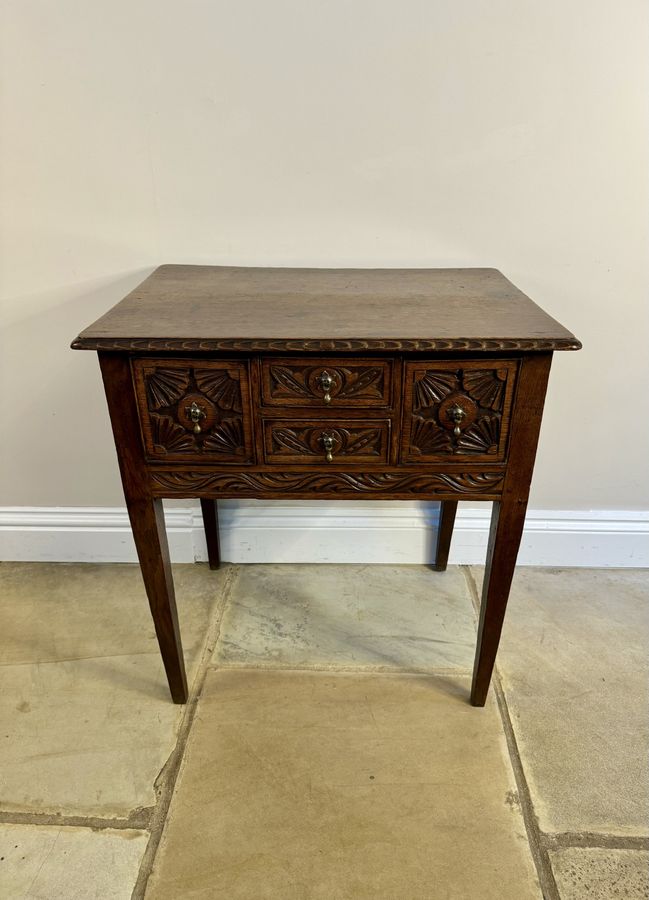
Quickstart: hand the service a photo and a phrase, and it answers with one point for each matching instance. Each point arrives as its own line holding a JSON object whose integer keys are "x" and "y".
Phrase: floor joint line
{"x": 138, "y": 819}
{"x": 593, "y": 840}
{"x": 166, "y": 780}
{"x": 534, "y": 835}
{"x": 344, "y": 669}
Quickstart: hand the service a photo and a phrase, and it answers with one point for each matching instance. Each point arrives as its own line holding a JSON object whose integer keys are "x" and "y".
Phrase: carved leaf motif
{"x": 345, "y": 483}
{"x": 485, "y": 386}
{"x": 356, "y": 383}
{"x": 369, "y": 440}
{"x": 227, "y": 437}
{"x": 294, "y": 442}
{"x": 308, "y": 441}
{"x": 481, "y": 437}
{"x": 286, "y": 379}
{"x": 220, "y": 387}
{"x": 478, "y": 481}
{"x": 347, "y": 382}
{"x": 166, "y": 386}
{"x": 433, "y": 387}
{"x": 170, "y": 437}
{"x": 428, "y": 438}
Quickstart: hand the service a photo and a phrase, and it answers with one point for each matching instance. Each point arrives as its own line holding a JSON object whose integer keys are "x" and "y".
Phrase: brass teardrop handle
{"x": 195, "y": 413}
{"x": 456, "y": 414}
{"x": 328, "y": 441}
{"x": 326, "y": 383}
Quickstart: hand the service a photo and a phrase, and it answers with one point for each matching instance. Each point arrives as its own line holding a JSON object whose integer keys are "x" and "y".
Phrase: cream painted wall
{"x": 363, "y": 133}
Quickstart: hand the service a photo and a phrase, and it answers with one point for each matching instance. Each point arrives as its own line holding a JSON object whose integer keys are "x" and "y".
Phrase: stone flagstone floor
{"x": 328, "y": 750}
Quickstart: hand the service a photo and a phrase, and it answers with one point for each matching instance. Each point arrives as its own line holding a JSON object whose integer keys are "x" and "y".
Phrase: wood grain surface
{"x": 189, "y": 308}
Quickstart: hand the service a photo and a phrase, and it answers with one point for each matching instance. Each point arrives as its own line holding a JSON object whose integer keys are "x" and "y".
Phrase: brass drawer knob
{"x": 328, "y": 441}
{"x": 195, "y": 413}
{"x": 326, "y": 383}
{"x": 456, "y": 414}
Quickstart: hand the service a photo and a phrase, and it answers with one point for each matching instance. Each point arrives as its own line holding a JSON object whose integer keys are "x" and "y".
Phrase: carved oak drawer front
{"x": 194, "y": 409}
{"x": 327, "y": 383}
{"x": 457, "y": 410}
{"x": 325, "y": 441}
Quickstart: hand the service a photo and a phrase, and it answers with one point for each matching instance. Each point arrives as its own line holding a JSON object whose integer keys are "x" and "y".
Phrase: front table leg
{"x": 507, "y": 521}
{"x": 147, "y": 522}
{"x": 146, "y": 515}
{"x": 508, "y": 516}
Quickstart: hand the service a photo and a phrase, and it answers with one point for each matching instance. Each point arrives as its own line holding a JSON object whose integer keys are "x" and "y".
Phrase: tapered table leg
{"x": 447, "y": 511}
{"x": 507, "y": 521}
{"x": 508, "y": 516}
{"x": 147, "y": 518}
{"x": 211, "y": 524}
{"x": 147, "y": 522}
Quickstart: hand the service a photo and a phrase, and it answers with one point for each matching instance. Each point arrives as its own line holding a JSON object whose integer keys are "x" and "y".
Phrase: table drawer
{"x": 194, "y": 409}
{"x": 457, "y": 410}
{"x": 327, "y": 383}
{"x": 328, "y": 441}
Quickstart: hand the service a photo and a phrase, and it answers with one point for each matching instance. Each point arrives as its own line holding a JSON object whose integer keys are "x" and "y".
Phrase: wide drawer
{"x": 194, "y": 409}
{"x": 457, "y": 410}
{"x": 324, "y": 383}
{"x": 324, "y": 441}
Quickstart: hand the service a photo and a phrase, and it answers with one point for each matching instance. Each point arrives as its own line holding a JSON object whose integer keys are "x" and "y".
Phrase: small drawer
{"x": 313, "y": 442}
{"x": 194, "y": 409}
{"x": 327, "y": 383}
{"x": 457, "y": 410}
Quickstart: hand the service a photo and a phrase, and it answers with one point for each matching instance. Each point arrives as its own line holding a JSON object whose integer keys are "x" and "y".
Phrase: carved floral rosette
{"x": 459, "y": 412}
{"x": 194, "y": 410}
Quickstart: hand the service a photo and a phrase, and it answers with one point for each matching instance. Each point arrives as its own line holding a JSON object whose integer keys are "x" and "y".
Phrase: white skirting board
{"x": 319, "y": 532}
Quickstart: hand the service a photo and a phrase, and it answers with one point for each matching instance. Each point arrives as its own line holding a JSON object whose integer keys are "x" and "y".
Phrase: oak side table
{"x": 326, "y": 383}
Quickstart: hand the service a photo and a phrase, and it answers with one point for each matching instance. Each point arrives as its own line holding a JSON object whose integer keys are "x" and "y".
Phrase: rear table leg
{"x": 211, "y": 523}
{"x": 448, "y": 508}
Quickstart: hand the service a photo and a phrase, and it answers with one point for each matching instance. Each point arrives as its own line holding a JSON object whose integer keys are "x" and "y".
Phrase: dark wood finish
{"x": 508, "y": 518}
{"x": 147, "y": 518}
{"x": 219, "y": 386}
{"x": 189, "y": 308}
{"x": 482, "y": 389}
{"x": 385, "y": 483}
{"x": 210, "y": 512}
{"x": 288, "y": 441}
{"x": 448, "y": 509}
{"x": 365, "y": 383}
{"x": 166, "y": 391}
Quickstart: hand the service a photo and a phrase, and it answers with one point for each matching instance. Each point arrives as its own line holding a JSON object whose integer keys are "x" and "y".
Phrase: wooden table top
{"x": 200, "y": 308}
